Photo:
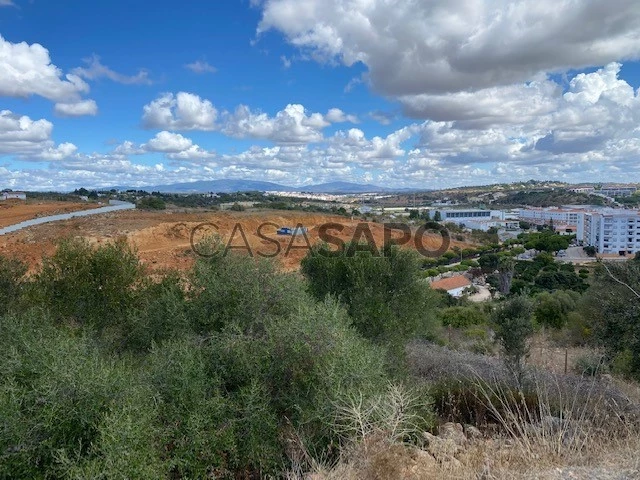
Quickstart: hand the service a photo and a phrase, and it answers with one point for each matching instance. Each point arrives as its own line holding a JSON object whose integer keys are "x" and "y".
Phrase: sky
{"x": 406, "y": 93}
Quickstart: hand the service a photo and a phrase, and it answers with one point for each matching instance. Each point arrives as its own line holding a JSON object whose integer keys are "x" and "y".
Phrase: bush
{"x": 96, "y": 287}
{"x": 12, "y": 273}
{"x": 384, "y": 294}
{"x": 294, "y": 374}
{"x": 151, "y": 203}
{"x": 590, "y": 365}
{"x": 238, "y": 291}
{"x": 512, "y": 319}
{"x": 460, "y": 317}
{"x": 57, "y": 396}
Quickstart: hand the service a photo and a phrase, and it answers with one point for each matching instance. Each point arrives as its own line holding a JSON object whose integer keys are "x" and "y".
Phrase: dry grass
{"x": 577, "y": 428}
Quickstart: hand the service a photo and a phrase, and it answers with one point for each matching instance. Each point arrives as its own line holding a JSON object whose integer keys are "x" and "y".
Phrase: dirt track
{"x": 163, "y": 238}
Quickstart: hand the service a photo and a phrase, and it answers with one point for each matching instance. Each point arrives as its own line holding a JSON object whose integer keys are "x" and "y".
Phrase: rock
{"x": 400, "y": 462}
{"x": 452, "y": 431}
{"x": 441, "y": 448}
{"x": 472, "y": 432}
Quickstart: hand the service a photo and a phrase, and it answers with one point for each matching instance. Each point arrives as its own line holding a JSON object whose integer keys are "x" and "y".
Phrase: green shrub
{"x": 384, "y": 294}
{"x": 56, "y": 393}
{"x": 96, "y": 287}
{"x": 236, "y": 290}
{"x": 12, "y": 273}
{"x": 459, "y": 317}
{"x": 151, "y": 203}
{"x": 590, "y": 365}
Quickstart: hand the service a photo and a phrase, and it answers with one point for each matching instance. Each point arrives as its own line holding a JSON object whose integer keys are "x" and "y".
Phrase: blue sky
{"x": 420, "y": 94}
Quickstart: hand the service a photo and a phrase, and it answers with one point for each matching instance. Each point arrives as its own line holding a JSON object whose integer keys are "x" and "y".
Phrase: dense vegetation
{"x": 235, "y": 369}
{"x": 549, "y": 198}
{"x": 105, "y": 373}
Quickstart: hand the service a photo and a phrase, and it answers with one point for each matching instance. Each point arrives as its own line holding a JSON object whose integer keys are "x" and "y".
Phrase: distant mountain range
{"x": 230, "y": 186}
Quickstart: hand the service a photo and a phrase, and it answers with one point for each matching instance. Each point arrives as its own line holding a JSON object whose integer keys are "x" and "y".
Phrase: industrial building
{"x": 462, "y": 216}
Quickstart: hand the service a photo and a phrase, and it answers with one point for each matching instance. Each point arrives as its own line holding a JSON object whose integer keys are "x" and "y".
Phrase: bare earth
{"x": 12, "y": 212}
{"x": 163, "y": 239}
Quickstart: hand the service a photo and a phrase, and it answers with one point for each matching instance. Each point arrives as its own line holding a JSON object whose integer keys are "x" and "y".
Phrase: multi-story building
{"x": 617, "y": 190}
{"x": 486, "y": 224}
{"x": 460, "y": 216}
{"x": 568, "y": 218}
{"x": 613, "y": 231}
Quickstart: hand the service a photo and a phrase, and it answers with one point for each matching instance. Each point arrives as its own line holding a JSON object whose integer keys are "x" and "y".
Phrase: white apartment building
{"x": 617, "y": 190}
{"x": 613, "y": 231}
{"x": 566, "y": 217}
{"x": 486, "y": 224}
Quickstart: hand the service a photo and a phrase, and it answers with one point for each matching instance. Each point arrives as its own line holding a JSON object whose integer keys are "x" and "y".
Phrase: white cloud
{"x": 77, "y": 109}
{"x": 441, "y": 46}
{"x": 30, "y": 139}
{"x": 27, "y": 70}
{"x": 291, "y": 125}
{"x": 286, "y": 62}
{"x": 184, "y": 111}
{"x": 168, "y": 142}
{"x": 335, "y": 115}
{"x": 588, "y": 132}
{"x": 95, "y": 70}
{"x": 173, "y": 145}
{"x": 7, "y": 3}
{"x": 201, "y": 66}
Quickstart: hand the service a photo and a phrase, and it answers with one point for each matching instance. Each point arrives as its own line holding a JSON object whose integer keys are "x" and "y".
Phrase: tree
{"x": 512, "y": 320}
{"x": 590, "y": 250}
{"x": 413, "y": 214}
{"x": 384, "y": 294}
{"x": 437, "y": 217}
{"x": 426, "y": 215}
{"x": 524, "y": 225}
{"x": 552, "y": 309}
{"x": 612, "y": 307}
{"x": 506, "y": 267}
{"x": 489, "y": 262}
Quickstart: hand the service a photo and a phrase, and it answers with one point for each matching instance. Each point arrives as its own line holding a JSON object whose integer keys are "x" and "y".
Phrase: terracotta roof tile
{"x": 451, "y": 283}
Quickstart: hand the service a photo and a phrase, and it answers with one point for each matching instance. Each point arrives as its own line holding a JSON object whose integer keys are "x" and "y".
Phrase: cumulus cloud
{"x": 293, "y": 124}
{"x": 168, "y": 142}
{"x": 26, "y": 70}
{"x": 442, "y": 46}
{"x": 200, "y": 67}
{"x": 30, "y": 139}
{"x": 78, "y": 109}
{"x": 584, "y": 131}
{"x": 184, "y": 111}
{"x": 95, "y": 70}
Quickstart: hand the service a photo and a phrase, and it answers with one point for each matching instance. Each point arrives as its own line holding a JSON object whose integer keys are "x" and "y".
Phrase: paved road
{"x": 114, "y": 206}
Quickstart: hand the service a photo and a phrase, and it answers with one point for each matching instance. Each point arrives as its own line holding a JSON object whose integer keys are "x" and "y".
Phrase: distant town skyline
{"x": 297, "y": 92}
